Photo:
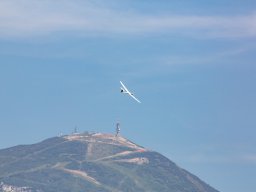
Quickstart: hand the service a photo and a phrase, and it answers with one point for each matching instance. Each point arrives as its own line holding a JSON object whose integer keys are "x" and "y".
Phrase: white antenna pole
{"x": 117, "y": 129}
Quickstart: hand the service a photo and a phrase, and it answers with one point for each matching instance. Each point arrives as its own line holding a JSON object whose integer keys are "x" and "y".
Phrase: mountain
{"x": 92, "y": 162}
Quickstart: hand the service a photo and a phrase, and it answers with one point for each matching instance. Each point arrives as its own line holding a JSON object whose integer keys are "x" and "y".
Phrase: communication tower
{"x": 118, "y": 129}
{"x": 75, "y": 132}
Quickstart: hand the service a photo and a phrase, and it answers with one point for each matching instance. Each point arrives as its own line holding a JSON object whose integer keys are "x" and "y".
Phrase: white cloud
{"x": 250, "y": 158}
{"x": 27, "y": 17}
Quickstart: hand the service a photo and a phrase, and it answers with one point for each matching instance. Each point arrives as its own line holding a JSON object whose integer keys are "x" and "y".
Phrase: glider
{"x": 125, "y": 90}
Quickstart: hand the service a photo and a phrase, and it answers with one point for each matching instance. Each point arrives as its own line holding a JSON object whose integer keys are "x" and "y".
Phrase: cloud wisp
{"x": 32, "y": 18}
{"x": 222, "y": 159}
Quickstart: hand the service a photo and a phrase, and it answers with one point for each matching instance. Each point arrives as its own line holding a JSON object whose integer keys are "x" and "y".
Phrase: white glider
{"x": 125, "y": 90}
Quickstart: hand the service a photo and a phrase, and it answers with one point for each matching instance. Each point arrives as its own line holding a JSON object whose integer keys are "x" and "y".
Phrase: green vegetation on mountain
{"x": 92, "y": 162}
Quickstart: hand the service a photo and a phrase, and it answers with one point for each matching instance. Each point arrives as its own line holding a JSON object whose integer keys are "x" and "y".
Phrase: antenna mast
{"x": 117, "y": 129}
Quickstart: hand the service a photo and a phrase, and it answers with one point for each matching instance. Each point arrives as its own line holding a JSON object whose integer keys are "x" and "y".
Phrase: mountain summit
{"x": 92, "y": 162}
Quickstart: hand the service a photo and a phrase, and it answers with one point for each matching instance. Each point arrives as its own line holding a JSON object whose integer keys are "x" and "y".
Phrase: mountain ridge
{"x": 92, "y": 162}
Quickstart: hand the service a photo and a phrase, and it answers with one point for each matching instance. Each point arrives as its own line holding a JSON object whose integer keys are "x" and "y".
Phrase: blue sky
{"x": 192, "y": 64}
